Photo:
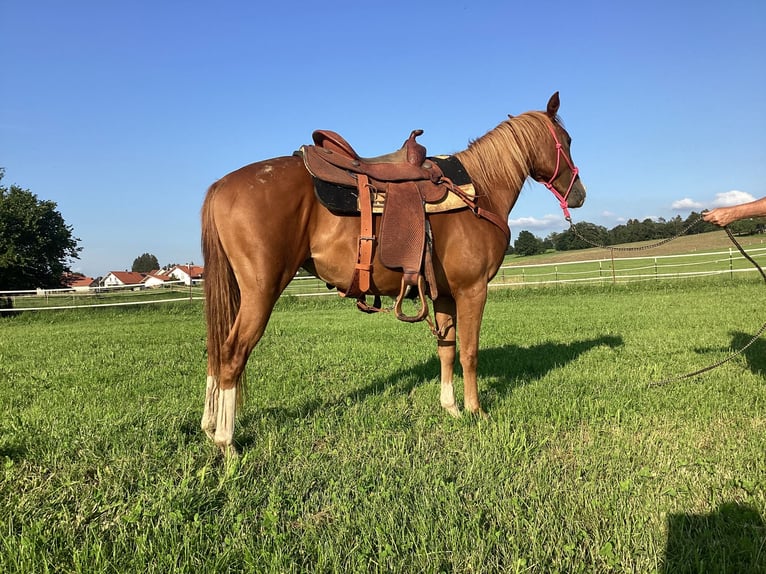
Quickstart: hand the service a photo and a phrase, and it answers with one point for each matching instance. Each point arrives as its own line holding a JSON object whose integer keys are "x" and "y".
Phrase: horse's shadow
{"x": 728, "y": 540}
{"x": 511, "y": 366}
{"x": 13, "y": 452}
{"x": 754, "y": 355}
{"x": 507, "y": 367}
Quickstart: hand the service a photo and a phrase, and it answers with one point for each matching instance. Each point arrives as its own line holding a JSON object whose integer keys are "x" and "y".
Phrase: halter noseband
{"x": 549, "y": 184}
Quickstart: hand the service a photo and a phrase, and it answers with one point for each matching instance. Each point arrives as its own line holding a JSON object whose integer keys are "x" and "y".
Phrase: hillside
{"x": 700, "y": 243}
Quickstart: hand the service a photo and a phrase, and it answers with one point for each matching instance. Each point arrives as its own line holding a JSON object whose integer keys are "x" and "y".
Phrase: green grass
{"x": 350, "y": 465}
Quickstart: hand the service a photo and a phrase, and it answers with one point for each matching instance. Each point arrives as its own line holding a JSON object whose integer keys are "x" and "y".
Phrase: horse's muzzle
{"x": 576, "y": 195}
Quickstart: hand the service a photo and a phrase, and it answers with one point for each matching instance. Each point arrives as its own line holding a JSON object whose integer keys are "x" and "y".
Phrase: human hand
{"x": 720, "y": 216}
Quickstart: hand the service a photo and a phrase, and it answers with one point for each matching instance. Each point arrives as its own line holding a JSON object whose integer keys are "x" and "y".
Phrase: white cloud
{"x": 687, "y": 203}
{"x": 613, "y": 216}
{"x": 732, "y": 197}
{"x": 724, "y": 199}
{"x": 536, "y": 223}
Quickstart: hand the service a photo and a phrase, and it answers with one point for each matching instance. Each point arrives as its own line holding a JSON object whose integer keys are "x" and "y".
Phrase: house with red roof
{"x": 123, "y": 279}
{"x": 189, "y": 274}
{"x": 78, "y": 281}
{"x": 156, "y": 278}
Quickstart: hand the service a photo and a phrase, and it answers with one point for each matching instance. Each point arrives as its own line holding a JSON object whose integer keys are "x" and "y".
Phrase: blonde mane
{"x": 502, "y": 158}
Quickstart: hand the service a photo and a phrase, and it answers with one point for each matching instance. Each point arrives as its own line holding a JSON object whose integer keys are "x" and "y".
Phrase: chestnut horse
{"x": 263, "y": 222}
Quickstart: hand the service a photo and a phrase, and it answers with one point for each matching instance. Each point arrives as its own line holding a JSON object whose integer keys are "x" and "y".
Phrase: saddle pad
{"x": 345, "y": 200}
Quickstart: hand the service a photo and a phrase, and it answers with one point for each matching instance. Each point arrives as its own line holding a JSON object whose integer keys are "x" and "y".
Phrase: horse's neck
{"x": 497, "y": 195}
{"x": 500, "y": 161}
{"x": 500, "y": 200}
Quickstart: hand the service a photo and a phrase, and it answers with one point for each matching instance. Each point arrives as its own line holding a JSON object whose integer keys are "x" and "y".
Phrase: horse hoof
{"x": 453, "y": 411}
{"x": 229, "y": 452}
{"x": 479, "y": 414}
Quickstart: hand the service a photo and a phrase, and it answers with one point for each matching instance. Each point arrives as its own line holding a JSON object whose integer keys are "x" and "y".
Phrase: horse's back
{"x": 260, "y": 178}
{"x": 276, "y": 188}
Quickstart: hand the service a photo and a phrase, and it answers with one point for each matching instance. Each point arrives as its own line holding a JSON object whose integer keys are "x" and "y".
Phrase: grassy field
{"x": 688, "y": 244}
{"x": 59, "y": 298}
{"x": 693, "y": 255}
{"x": 349, "y": 464}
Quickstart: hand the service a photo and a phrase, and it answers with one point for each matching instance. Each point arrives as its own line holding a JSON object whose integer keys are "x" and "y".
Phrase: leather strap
{"x": 366, "y": 236}
{"x": 498, "y": 221}
{"x": 360, "y": 280}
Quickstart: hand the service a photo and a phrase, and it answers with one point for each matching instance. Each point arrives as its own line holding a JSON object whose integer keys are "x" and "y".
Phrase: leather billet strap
{"x": 360, "y": 282}
{"x": 367, "y": 234}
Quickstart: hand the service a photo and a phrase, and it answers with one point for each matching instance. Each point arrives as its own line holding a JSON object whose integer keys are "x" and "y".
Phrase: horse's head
{"x": 554, "y": 167}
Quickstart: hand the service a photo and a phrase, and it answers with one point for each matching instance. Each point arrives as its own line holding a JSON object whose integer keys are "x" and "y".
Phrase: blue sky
{"x": 123, "y": 113}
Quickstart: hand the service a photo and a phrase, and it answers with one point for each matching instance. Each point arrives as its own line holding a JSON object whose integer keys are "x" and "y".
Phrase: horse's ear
{"x": 553, "y": 105}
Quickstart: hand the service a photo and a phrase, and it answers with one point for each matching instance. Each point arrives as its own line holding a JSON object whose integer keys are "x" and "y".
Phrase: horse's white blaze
{"x": 210, "y": 415}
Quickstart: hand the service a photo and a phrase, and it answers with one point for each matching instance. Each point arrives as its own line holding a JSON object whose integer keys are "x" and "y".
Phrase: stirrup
{"x": 423, "y": 313}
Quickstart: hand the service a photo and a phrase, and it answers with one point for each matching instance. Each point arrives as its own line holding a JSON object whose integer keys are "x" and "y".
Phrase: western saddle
{"x": 408, "y": 183}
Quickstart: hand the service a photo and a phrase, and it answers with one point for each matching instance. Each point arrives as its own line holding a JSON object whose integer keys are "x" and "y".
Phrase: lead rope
{"x": 737, "y": 353}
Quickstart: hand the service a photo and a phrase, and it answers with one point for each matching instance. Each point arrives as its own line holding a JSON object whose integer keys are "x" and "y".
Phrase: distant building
{"x": 156, "y": 278}
{"x": 123, "y": 278}
{"x": 79, "y": 282}
{"x": 189, "y": 274}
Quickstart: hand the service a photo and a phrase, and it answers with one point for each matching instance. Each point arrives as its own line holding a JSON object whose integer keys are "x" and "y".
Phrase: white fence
{"x": 630, "y": 269}
{"x": 615, "y": 270}
{"x": 112, "y": 296}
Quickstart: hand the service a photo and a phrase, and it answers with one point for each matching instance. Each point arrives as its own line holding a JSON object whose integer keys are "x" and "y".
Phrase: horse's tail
{"x": 222, "y": 296}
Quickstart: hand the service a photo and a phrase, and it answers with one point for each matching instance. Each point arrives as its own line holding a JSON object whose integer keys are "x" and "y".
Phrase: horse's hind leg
{"x": 222, "y": 392}
{"x": 210, "y": 415}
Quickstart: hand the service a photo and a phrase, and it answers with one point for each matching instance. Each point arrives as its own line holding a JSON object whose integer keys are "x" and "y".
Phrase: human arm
{"x": 723, "y": 216}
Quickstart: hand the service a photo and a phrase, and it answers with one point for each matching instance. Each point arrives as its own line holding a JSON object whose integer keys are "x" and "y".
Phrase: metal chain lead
{"x": 573, "y": 227}
{"x": 663, "y": 242}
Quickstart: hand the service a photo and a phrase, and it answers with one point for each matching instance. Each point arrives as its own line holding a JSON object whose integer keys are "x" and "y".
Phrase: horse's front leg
{"x": 446, "y": 323}
{"x": 470, "y": 309}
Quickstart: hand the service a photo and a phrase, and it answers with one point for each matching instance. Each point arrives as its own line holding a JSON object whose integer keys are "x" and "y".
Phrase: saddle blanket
{"x": 345, "y": 200}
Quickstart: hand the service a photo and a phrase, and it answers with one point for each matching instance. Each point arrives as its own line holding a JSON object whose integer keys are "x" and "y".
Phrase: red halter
{"x": 549, "y": 184}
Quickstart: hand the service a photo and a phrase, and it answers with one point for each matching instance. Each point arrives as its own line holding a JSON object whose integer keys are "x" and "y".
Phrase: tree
{"x": 145, "y": 263}
{"x": 35, "y": 242}
{"x": 527, "y": 244}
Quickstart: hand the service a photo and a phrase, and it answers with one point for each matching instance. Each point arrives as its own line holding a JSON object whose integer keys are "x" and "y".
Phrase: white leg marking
{"x": 447, "y": 399}
{"x": 210, "y": 415}
{"x": 227, "y": 412}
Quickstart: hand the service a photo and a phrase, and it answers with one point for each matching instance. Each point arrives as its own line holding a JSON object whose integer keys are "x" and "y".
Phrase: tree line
{"x": 631, "y": 231}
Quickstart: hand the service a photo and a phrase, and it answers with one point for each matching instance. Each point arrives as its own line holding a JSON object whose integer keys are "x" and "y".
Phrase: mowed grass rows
{"x": 348, "y": 462}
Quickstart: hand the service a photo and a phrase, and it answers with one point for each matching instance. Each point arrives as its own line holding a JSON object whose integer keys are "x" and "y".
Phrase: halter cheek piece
{"x": 549, "y": 184}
